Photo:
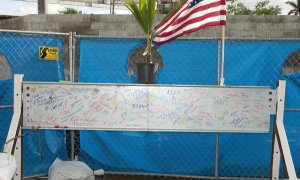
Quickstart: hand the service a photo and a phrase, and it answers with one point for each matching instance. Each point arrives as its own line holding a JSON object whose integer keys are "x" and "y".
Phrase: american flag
{"x": 191, "y": 16}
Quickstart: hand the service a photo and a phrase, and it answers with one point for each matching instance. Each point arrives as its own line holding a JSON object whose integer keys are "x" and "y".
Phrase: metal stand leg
{"x": 280, "y": 142}
{"x": 217, "y": 156}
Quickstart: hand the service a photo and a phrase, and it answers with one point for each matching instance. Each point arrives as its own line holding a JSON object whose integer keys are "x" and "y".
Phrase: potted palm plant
{"x": 144, "y": 14}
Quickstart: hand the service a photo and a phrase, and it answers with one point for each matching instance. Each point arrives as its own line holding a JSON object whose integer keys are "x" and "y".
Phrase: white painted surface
{"x": 154, "y": 108}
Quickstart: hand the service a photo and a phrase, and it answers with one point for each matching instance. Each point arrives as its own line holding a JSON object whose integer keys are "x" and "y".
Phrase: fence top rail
{"x": 262, "y": 39}
{"x": 142, "y": 37}
{"x": 195, "y": 38}
{"x": 34, "y": 32}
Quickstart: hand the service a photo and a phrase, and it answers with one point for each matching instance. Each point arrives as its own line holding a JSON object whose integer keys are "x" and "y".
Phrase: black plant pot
{"x": 147, "y": 73}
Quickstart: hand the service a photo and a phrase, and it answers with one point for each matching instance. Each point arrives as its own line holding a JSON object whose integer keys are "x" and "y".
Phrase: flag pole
{"x": 221, "y": 83}
{"x": 222, "y": 59}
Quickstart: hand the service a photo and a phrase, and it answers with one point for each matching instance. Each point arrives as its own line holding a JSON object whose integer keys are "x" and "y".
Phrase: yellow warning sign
{"x": 48, "y": 53}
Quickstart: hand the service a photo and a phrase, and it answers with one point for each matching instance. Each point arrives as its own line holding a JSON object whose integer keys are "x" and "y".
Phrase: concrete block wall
{"x": 280, "y": 26}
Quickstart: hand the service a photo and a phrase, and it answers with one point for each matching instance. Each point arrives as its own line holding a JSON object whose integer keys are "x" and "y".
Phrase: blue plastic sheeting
{"x": 295, "y": 78}
{"x": 247, "y": 63}
{"x": 105, "y": 60}
{"x": 151, "y": 152}
{"x": 292, "y": 128}
{"x": 38, "y": 155}
{"x": 262, "y": 67}
{"x": 293, "y": 90}
{"x": 292, "y": 94}
{"x": 22, "y": 54}
{"x": 245, "y": 155}
{"x": 5, "y": 118}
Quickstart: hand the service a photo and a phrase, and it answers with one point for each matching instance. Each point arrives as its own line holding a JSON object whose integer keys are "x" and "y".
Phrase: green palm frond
{"x": 152, "y": 10}
{"x": 143, "y": 10}
{"x": 295, "y": 6}
{"x": 291, "y": 3}
{"x": 130, "y": 4}
{"x": 144, "y": 13}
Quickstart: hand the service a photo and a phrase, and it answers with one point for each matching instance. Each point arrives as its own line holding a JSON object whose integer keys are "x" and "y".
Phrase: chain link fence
{"x": 108, "y": 60}
{"x": 21, "y": 53}
{"x": 140, "y": 155}
{"x": 247, "y": 63}
{"x": 261, "y": 63}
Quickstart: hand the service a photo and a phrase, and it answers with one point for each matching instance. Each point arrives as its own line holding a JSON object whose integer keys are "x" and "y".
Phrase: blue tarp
{"x": 105, "y": 60}
{"x": 149, "y": 152}
{"x": 22, "y": 54}
{"x": 295, "y": 78}
{"x": 262, "y": 67}
{"x": 247, "y": 63}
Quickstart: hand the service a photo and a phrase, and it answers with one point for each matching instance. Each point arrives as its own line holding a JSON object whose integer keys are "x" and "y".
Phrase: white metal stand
{"x": 18, "y": 156}
{"x": 13, "y": 144}
{"x": 280, "y": 146}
